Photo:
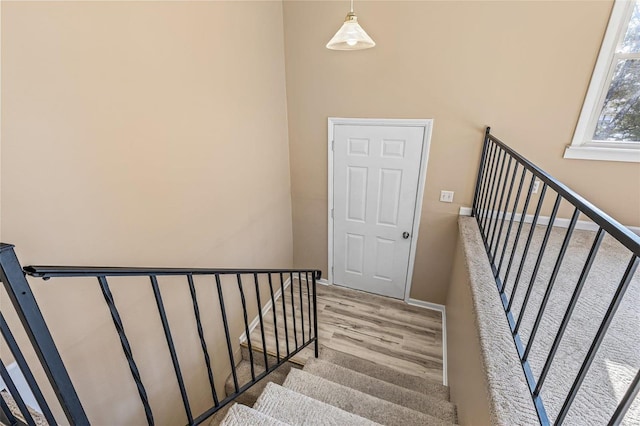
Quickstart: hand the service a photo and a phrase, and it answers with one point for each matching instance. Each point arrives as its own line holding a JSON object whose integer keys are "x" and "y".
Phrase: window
{"x": 609, "y": 124}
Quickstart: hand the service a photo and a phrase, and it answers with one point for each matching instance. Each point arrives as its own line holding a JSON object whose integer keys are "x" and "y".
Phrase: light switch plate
{"x": 536, "y": 186}
{"x": 446, "y": 196}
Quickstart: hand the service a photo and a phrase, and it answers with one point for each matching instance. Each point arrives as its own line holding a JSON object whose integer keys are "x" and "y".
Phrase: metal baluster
{"x": 293, "y": 310}
{"x": 506, "y": 208}
{"x": 264, "y": 340}
{"x": 626, "y": 402}
{"x": 172, "y": 348}
{"x": 489, "y": 196}
{"x": 494, "y": 225}
{"x": 13, "y": 391}
{"x": 275, "y": 321}
{"x": 513, "y": 215}
{"x": 284, "y": 312}
{"x": 26, "y": 371}
{"x": 24, "y": 302}
{"x": 476, "y": 194}
{"x": 608, "y": 317}
{"x": 246, "y": 325}
{"x": 541, "y": 251}
{"x": 527, "y": 244}
{"x": 485, "y": 185}
{"x": 489, "y": 216}
{"x": 306, "y": 276}
{"x": 552, "y": 280}
{"x": 227, "y": 335}
{"x": 523, "y": 217}
{"x": 203, "y": 343}
{"x": 301, "y": 306}
{"x": 126, "y": 347}
{"x": 315, "y": 316}
{"x": 572, "y": 304}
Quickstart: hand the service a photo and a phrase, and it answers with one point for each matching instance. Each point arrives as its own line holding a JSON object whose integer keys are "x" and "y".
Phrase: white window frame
{"x": 583, "y": 146}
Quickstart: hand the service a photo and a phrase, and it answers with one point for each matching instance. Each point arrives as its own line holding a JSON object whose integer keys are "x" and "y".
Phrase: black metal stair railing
{"x": 33, "y": 323}
{"x": 499, "y": 211}
{"x": 13, "y": 277}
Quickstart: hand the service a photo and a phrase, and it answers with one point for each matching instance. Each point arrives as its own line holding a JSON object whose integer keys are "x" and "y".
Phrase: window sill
{"x": 628, "y": 155}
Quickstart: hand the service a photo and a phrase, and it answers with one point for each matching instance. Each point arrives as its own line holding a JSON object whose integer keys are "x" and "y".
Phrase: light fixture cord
{"x": 351, "y": 6}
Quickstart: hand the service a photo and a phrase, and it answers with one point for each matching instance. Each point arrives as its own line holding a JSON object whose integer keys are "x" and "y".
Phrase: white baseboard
{"x": 585, "y": 225}
{"x": 445, "y": 371}
{"x": 321, "y": 281}
{"x": 21, "y": 385}
{"x": 465, "y": 211}
{"x": 254, "y": 323}
{"x": 443, "y": 311}
{"x": 426, "y": 305}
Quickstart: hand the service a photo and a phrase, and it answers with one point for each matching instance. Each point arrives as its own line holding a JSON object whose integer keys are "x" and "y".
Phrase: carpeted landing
{"x": 338, "y": 389}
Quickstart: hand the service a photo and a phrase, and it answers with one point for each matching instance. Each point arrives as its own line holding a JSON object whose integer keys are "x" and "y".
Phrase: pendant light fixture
{"x": 351, "y": 36}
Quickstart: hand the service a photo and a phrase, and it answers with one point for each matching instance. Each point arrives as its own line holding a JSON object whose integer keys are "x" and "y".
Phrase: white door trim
{"x": 427, "y": 124}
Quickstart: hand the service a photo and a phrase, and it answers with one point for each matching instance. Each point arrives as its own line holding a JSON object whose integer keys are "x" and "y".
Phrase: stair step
{"x": 296, "y": 409}
{"x": 356, "y": 402}
{"x": 241, "y": 415}
{"x": 258, "y": 355}
{"x": 387, "y": 391}
{"x": 243, "y": 371}
{"x": 217, "y": 418}
{"x": 386, "y": 374}
{"x": 13, "y": 407}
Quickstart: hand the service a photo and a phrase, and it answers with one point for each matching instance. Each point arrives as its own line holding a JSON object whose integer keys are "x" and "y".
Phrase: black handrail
{"x": 117, "y": 271}
{"x": 13, "y": 276}
{"x": 614, "y": 228}
{"x": 490, "y": 213}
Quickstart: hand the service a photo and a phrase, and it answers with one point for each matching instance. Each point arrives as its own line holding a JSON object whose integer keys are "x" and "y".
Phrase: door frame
{"x": 427, "y": 124}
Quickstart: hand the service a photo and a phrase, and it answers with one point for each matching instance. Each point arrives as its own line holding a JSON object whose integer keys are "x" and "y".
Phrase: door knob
{"x": 405, "y": 235}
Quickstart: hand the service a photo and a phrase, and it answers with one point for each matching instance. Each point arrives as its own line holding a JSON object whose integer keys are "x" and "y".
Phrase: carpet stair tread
{"x": 386, "y": 374}
{"x": 356, "y": 402}
{"x": 295, "y": 409}
{"x": 241, "y": 415}
{"x": 417, "y": 401}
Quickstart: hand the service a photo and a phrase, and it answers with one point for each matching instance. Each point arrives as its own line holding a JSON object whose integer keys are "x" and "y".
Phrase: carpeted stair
{"x": 390, "y": 392}
{"x": 338, "y": 389}
{"x": 241, "y": 415}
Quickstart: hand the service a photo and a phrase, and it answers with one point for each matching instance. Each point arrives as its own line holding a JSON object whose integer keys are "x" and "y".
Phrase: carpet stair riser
{"x": 296, "y": 409}
{"x": 389, "y": 392}
{"x": 356, "y": 402}
{"x": 241, "y": 415}
{"x": 386, "y": 374}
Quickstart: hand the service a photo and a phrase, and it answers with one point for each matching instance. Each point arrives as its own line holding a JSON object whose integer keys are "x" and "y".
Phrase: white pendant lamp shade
{"x": 351, "y": 36}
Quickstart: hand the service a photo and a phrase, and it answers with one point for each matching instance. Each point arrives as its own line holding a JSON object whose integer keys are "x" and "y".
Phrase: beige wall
{"x": 143, "y": 133}
{"x": 521, "y": 67}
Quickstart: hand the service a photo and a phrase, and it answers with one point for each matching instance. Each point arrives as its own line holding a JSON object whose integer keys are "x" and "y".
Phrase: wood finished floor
{"x": 379, "y": 329}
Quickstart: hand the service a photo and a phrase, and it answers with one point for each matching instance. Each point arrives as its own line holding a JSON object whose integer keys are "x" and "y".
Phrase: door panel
{"x": 376, "y": 172}
{"x": 383, "y": 268}
{"x": 355, "y": 254}
{"x": 356, "y": 193}
{"x": 389, "y": 196}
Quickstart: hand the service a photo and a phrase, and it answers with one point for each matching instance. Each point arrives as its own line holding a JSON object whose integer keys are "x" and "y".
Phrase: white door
{"x": 375, "y": 185}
